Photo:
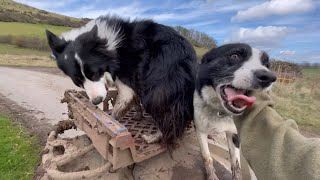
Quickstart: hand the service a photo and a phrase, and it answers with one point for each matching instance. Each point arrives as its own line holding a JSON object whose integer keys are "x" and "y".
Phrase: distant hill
{"x": 23, "y": 26}
{"x": 11, "y": 11}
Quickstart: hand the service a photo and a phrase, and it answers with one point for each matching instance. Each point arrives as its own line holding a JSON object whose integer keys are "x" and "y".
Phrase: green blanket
{"x": 273, "y": 147}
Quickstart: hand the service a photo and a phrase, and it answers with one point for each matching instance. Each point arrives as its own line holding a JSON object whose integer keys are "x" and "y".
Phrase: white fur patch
{"x": 95, "y": 89}
{"x": 205, "y": 113}
{"x": 126, "y": 94}
{"x": 237, "y": 154}
{"x": 109, "y": 80}
{"x": 65, "y": 56}
{"x": 105, "y": 31}
{"x": 111, "y": 33}
{"x": 76, "y": 56}
{"x": 243, "y": 77}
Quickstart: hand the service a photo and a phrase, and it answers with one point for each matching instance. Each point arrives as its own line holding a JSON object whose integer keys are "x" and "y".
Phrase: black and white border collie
{"x": 226, "y": 78}
{"x": 143, "y": 59}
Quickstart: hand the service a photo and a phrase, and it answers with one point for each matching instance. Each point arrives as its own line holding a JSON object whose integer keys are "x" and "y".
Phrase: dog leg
{"x": 152, "y": 138}
{"x": 124, "y": 99}
{"x": 208, "y": 161}
{"x": 234, "y": 150}
{"x": 138, "y": 108}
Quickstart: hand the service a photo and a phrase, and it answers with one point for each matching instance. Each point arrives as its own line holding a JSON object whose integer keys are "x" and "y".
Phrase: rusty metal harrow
{"x": 118, "y": 142}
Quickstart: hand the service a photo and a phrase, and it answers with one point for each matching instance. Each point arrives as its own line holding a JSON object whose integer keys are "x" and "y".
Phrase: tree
{"x": 199, "y": 39}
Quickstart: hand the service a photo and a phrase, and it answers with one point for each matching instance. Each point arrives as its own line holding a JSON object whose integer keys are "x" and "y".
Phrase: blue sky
{"x": 286, "y": 29}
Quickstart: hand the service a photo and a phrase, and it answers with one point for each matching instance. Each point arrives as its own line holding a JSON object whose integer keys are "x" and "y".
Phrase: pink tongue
{"x": 238, "y": 98}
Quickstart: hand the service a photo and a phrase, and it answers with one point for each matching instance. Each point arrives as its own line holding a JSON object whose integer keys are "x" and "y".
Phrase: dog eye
{"x": 234, "y": 56}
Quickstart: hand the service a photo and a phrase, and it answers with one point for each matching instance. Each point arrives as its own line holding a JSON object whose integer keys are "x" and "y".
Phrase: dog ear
{"x": 94, "y": 32}
{"x": 56, "y": 44}
{"x": 90, "y": 40}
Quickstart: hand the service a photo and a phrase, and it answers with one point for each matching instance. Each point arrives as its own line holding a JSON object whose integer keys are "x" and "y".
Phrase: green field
{"x": 300, "y": 100}
{"x": 26, "y": 29}
{"x": 11, "y": 49}
{"x": 19, "y": 152}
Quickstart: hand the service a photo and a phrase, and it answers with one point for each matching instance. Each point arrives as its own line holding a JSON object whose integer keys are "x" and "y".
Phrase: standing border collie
{"x": 226, "y": 78}
{"x": 142, "y": 59}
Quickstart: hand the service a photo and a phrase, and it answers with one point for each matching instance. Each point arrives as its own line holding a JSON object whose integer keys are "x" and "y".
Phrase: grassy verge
{"x": 26, "y": 61}
{"x": 300, "y": 100}
{"x": 26, "y": 29}
{"x": 11, "y": 49}
{"x": 19, "y": 152}
{"x": 15, "y": 56}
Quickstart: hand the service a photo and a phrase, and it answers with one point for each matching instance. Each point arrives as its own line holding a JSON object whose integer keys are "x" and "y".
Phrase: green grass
{"x": 11, "y": 49}
{"x": 311, "y": 73}
{"x": 26, "y": 29}
{"x": 300, "y": 100}
{"x": 19, "y": 153}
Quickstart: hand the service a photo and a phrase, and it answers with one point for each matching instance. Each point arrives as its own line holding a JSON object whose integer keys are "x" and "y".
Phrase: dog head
{"x": 86, "y": 58}
{"x": 234, "y": 71}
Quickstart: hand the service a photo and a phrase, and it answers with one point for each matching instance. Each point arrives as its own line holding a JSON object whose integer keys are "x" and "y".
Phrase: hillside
{"x": 23, "y": 27}
{"x": 11, "y": 11}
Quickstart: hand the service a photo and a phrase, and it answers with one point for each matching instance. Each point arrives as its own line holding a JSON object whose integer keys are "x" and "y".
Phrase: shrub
{"x": 196, "y": 38}
{"x": 6, "y": 39}
{"x": 286, "y": 67}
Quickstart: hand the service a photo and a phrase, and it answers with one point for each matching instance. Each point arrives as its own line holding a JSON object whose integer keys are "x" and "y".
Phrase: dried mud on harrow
{"x": 119, "y": 143}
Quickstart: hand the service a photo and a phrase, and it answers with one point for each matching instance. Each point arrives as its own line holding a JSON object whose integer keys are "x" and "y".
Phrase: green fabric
{"x": 273, "y": 147}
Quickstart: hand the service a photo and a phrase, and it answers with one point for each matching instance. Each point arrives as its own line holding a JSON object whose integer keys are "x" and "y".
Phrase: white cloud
{"x": 131, "y": 11}
{"x": 316, "y": 57}
{"x": 263, "y": 37}
{"x": 202, "y": 23}
{"x": 235, "y": 6}
{"x": 274, "y": 7}
{"x": 45, "y": 4}
{"x": 287, "y": 52}
{"x": 165, "y": 17}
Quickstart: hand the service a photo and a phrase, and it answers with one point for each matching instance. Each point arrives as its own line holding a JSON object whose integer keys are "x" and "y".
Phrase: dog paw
{"x": 152, "y": 138}
{"x": 118, "y": 115}
{"x": 211, "y": 172}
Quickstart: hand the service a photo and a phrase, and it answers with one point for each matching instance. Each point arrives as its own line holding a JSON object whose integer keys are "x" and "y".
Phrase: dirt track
{"x": 31, "y": 96}
{"x": 38, "y": 92}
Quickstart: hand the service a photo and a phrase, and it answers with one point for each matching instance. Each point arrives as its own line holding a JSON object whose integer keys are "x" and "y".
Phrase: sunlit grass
{"x": 19, "y": 153}
{"x": 300, "y": 100}
{"x": 27, "y": 29}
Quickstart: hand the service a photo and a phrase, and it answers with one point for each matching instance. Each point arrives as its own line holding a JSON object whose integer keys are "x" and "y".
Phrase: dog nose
{"x": 97, "y": 100}
{"x": 264, "y": 77}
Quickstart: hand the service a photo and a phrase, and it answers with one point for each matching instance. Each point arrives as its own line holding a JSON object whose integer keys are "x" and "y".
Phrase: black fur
{"x": 152, "y": 59}
{"x": 236, "y": 140}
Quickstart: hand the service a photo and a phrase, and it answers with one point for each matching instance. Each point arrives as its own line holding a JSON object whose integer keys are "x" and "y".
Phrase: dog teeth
{"x": 236, "y": 108}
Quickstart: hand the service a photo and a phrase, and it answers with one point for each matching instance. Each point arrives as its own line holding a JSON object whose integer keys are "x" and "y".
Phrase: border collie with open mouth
{"x": 226, "y": 78}
{"x": 143, "y": 59}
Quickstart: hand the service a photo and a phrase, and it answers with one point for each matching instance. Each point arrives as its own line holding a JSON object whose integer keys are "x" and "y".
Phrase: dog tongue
{"x": 238, "y": 98}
